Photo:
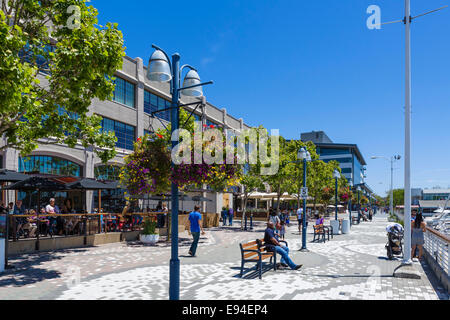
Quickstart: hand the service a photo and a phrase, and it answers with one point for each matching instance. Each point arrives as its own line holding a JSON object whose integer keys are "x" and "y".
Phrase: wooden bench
{"x": 319, "y": 231}
{"x": 256, "y": 251}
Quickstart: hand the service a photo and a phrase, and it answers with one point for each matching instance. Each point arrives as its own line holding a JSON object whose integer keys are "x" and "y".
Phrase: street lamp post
{"x": 408, "y": 19}
{"x": 304, "y": 155}
{"x": 359, "y": 205}
{"x": 350, "y": 186}
{"x": 161, "y": 70}
{"x": 391, "y": 160}
{"x": 336, "y": 176}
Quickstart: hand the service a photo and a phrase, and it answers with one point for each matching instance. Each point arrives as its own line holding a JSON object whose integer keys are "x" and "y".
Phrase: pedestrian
{"x": 230, "y": 216}
{"x": 288, "y": 218}
{"x": 299, "y": 219}
{"x": 418, "y": 228}
{"x": 224, "y": 214}
{"x": 282, "y": 229}
{"x": 194, "y": 228}
{"x": 275, "y": 219}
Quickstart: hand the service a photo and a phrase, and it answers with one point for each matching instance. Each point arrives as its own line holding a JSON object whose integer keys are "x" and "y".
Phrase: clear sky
{"x": 300, "y": 65}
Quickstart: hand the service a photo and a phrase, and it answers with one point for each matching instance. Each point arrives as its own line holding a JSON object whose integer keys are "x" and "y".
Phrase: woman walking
{"x": 418, "y": 228}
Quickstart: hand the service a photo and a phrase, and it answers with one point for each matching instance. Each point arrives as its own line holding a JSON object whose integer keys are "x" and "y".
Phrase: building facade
{"x": 434, "y": 199}
{"x": 128, "y": 115}
{"x": 351, "y": 161}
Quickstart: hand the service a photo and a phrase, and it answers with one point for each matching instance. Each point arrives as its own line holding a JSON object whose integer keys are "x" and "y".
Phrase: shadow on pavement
{"x": 26, "y": 269}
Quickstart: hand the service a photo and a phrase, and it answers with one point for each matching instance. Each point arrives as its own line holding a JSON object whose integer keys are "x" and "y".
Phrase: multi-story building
{"x": 128, "y": 114}
{"x": 434, "y": 199}
{"x": 349, "y": 156}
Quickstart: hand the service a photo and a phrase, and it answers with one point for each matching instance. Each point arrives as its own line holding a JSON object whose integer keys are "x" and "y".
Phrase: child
{"x": 283, "y": 229}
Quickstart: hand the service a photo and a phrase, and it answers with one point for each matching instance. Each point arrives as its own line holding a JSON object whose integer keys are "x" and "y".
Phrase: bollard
{"x": 251, "y": 222}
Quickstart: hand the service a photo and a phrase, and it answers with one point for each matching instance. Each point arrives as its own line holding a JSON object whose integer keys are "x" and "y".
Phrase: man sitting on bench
{"x": 272, "y": 244}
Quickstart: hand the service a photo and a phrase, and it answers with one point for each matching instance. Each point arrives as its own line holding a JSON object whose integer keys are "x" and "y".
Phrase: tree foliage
{"x": 54, "y": 60}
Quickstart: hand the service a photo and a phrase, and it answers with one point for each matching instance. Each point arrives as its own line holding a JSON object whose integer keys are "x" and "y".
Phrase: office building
{"x": 128, "y": 114}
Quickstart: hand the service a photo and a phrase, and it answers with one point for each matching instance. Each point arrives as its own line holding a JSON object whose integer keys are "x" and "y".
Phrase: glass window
{"x": 154, "y": 103}
{"x": 125, "y": 133}
{"x": 124, "y": 92}
{"x": 50, "y": 165}
{"x": 332, "y": 151}
{"x": 358, "y": 173}
{"x": 107, "y": 172}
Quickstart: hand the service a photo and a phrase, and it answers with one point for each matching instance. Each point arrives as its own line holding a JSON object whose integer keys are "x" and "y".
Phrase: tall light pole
{"x": 304, "y": 155}
{"x": 336, "y": 176}
{"x": 359, "y": 204}
{"x": 160, "y": 70}
{"x": 350, "y": 187}
{"x": 391, "y": 193}
{"x": 407, "y": 218}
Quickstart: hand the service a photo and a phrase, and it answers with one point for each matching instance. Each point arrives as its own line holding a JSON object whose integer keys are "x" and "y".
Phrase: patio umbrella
{"x": 89, "y": 184}
{"x": 12, "y": 176}
{"x": 200, "y": 199}
{"x": 38, "y": 183}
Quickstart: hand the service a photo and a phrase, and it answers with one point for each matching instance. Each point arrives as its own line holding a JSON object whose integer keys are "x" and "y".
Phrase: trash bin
{"x": 335, "y": 225}
{"x": 345, "y": 226}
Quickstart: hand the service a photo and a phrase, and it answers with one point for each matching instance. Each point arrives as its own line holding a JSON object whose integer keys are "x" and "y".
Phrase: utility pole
{"x": 408, "y": 19}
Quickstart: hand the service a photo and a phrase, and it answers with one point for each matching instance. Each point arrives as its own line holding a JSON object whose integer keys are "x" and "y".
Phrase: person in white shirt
{"x": 299, "y": 218}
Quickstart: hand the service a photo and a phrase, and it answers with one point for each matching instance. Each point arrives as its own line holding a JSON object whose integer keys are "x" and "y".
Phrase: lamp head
{"x": 308, "y": 156}
{"x": 301, "y": 155}
{"x": 336, "y": 174}
{"x": 159, "y": 67}
{"x": 192, "y": 78}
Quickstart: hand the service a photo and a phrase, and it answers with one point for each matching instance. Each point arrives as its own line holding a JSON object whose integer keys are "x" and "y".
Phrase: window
{"x": 108, "y": 172}
{"x": 124, "y": 92}
{"x": 50, "y": 165}
{"x": 27, "y": 55}
{"x": 340, "y": 160}
{"x": 346, "y": 170}
{"x": 331, "y": 151}
{"x": 125, "y": 133}
{"x": 154, "y": 103}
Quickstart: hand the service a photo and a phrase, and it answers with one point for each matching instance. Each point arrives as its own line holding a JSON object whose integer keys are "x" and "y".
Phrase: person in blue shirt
{"x": 194, "y": 228}
{"x": 224, "y": 215}
{"x": 272, "y": 244}
{"x": 230, "y": 215}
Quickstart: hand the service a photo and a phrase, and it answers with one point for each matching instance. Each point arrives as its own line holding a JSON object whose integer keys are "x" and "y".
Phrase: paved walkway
{"x": 352, "y": 266}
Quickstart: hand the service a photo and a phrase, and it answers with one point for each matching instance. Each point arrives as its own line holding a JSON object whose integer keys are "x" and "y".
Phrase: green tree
{"x": 399, "y": 197}
{"x": 251, "y": 181}
{"x": 54, "y": 60}
{"x": 295, "y": 168}
{"x": 280, "y": 181}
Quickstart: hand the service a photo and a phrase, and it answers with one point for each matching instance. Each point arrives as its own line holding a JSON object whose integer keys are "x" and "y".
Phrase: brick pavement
{"x": 352, "y": 266}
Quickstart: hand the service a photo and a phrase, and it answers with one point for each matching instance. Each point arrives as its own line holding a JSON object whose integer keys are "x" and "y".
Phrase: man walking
{"x": 194, "y": 228}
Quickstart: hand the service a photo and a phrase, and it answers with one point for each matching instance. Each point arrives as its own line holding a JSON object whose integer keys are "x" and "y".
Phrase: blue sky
{"x": 298, "y": 65}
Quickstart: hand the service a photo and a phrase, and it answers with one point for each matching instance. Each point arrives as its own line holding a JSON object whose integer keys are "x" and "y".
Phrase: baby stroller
{"x": 394, "y": 245}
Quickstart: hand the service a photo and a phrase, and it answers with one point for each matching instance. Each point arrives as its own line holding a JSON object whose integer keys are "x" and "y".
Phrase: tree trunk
{"x": 244, "y": 209}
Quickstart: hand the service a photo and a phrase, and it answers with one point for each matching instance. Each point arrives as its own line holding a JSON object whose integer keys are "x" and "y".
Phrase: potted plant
{"x": 149, "y": 235}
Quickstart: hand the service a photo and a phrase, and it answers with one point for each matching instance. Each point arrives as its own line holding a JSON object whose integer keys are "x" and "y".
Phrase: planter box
{"x": 149, "y": 238}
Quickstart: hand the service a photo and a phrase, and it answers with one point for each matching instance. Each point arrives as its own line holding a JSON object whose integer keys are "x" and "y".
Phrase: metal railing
{"x": 437, "y": 245}
{"x": 89, "y": 223}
